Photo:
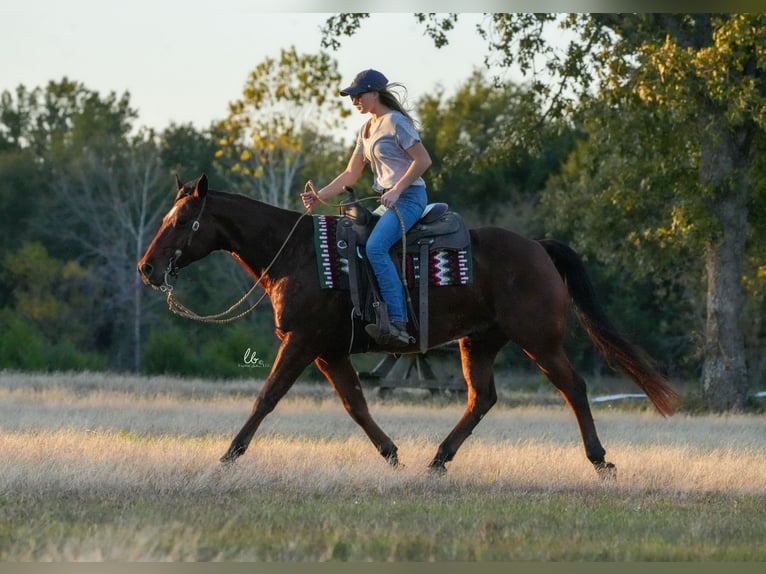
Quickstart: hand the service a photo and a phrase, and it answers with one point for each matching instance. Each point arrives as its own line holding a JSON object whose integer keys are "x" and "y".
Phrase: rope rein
{"x": 178, "y": 308}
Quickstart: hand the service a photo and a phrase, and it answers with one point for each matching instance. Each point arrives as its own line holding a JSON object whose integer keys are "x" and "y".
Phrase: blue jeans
{"x": 388, "y": 231}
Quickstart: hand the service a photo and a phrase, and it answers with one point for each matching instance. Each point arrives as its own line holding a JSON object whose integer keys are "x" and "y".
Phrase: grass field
{"x": 104, "y": 467}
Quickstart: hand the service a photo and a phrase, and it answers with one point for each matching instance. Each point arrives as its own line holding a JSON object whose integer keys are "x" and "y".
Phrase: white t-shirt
{"x": 384, "y": 147}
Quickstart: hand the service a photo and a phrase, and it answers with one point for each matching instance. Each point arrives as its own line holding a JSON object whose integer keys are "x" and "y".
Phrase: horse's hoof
{"x": 229, "y": 458}
{"x": 391, "y": 455}
{"x": 437, "y": 469}
{"x": 393, "y": 461}
{"x": 234, "y": 452}
{"x": 606, "y": 471}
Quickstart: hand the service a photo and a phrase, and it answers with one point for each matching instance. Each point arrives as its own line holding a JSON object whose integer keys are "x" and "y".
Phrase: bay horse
{"x": 520, "y": 293}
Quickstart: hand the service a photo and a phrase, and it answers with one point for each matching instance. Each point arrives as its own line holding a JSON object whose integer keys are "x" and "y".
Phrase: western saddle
{"x": 437, "y": 229}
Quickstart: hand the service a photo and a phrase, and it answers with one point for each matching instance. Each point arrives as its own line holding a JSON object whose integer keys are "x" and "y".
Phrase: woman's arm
{"x": 347, "y": 177}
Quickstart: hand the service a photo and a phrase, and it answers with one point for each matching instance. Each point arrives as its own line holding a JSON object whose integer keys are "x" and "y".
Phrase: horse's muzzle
{"x": 146, "y": 270}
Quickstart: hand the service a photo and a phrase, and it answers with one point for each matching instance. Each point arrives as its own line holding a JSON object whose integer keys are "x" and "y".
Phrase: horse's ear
{"x": 200, "y": 189}
{"x": 179, "y": 183}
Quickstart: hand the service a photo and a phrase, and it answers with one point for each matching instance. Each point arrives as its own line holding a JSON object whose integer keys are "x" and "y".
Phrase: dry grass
{"x": 117, "y": 442}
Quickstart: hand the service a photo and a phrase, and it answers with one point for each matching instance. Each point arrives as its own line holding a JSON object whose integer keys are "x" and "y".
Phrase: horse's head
{"x": 187, "y": 234}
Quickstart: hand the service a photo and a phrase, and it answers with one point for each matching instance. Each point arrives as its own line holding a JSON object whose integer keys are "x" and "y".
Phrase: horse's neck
{"x": 255, "y": 231}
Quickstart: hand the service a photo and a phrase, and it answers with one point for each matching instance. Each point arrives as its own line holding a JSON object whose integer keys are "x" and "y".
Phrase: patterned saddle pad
{"x": 444, "y": 266}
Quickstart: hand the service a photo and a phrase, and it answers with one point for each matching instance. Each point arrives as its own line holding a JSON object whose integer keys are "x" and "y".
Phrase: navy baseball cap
{"x": 366, "y": 81}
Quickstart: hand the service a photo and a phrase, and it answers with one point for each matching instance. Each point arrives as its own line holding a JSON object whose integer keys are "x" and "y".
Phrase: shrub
{"x": 22, "y": 347}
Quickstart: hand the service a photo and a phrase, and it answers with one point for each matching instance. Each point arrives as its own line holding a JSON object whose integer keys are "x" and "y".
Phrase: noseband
{"x": 172, "y": 268}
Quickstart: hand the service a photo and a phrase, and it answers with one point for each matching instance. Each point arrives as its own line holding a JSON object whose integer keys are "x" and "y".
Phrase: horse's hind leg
{"x": 573, "y": 388}
{"x": 342, "y": 375}
{"x": 477, "y": 356}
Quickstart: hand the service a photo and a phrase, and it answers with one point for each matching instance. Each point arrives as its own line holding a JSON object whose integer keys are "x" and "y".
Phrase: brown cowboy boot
{"x": 395, "y": 335}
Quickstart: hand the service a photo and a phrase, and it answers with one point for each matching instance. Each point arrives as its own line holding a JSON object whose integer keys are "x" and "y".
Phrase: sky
{"x": 183, "y": 61}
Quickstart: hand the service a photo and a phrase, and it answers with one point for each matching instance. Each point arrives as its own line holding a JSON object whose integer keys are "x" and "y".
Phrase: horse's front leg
{"x": 294, "y": 355}
{"x": 342, "y": 375}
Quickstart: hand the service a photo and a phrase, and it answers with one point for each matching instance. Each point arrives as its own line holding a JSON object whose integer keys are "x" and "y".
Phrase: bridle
{"x": 172, "y": 268}
{"x": 181, "y": 310}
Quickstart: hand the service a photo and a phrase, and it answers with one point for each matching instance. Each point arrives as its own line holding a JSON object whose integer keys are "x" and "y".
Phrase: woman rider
{"x": 389, "y": 142}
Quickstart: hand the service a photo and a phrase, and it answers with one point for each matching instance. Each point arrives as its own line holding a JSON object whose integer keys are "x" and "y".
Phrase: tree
{"x": 188, "y": 152}
{"x": 698, "y": 79}
{"x": 49, "y": 297}
{"x": 100, "y": 194}
{"x": 34, "y": 126}
{"x": 287, "y": 106}
{"x": 694, "y": 104}
{"x": 114, "y": 202}
{"x": 47, "y": 135}
{"x": 47, "y": 293}
{"x": 21, "y": 179}
{"x": 468, "y": 171}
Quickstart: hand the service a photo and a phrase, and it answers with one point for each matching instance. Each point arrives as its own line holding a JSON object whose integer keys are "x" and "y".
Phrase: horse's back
{"x": 502, "y": 249}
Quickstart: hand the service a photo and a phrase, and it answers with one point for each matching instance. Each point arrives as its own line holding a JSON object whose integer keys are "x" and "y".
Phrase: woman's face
{"x": 365, "y": 102}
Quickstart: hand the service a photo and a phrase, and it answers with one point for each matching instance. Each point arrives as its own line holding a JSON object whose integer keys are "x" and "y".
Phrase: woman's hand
{"x": 389, "y": 198}
{"x": 309, "y": 199}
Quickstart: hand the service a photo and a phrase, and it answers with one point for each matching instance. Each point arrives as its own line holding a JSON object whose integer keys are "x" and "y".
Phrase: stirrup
{"x": 395, "y": 336}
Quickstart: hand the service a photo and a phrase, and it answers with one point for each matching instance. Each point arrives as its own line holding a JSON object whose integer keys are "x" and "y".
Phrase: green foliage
{"x": 438, "y": 26}
{"x": 64, "y": 356}
{"x": 23, "y": 347}
{"x": 64, "y": 117}
{"x": 187, "y": 152}
{"x": 20, "y": 199}
{"x": 344, "y": 24}
{"x": 286, "y": 106}
{"x": 47, "y": 293}
{"x": 34, "y": 275}
{"x": 169, "y": 351}
{"x": 636, "y": 204}
{"x": 215, "y": 352}
{"x": 43, "y": 329}
{"x": 464, "y": 133}
{"x": 661, "y": 104}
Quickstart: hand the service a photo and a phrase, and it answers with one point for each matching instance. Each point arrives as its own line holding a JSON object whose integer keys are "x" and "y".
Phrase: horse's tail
{"x": 608, "y": 340}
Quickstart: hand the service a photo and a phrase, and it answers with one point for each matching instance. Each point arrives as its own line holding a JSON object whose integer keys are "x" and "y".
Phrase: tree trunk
{"x": 138, "y": 287}
{"x": 724, "y": 371}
